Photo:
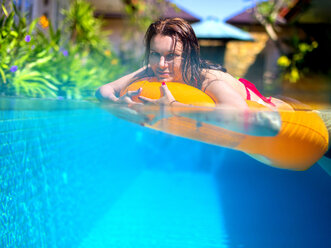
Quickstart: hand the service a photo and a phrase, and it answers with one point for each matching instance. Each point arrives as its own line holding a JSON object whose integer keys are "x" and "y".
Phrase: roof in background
{"x": 213, "y": 28}
{"x": 171, "y": 13}
{"x": 244, "y": 17}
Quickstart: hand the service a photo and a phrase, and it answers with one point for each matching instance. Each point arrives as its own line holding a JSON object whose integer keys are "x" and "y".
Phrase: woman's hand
{"x": 107, "y": 95}
{"x": 166, "y": 99}
{"x": 127, "y": 98}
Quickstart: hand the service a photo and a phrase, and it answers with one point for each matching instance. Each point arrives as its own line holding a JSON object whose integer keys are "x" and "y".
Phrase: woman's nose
{"x": 162, "y": 62}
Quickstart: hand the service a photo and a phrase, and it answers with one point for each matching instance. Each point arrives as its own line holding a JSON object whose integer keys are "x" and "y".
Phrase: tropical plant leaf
{"x": 41, "y": 61}
{"x": 3, "y": 76}
{"x": 9, "y": 21}
{"x": 4, "y": 10}
{"x": 51, "y": 78}
{"x": 48, "y": 84}
{"x": 13, "y": 33}
{"x": 32, "y": 26}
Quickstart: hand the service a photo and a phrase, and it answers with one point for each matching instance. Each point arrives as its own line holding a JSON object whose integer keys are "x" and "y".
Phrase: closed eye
{"x": 170, "y": 57}
{"x": 154, "y": 55}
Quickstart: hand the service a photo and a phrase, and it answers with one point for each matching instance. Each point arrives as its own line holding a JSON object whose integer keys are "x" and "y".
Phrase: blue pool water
{"x": 73, "y": 175}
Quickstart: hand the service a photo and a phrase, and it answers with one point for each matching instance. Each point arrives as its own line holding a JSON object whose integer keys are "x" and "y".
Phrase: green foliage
{"x": 40, "y": 61}
{"x": 293, "y": 64}
{"x": 294, "y": 50}
{"x": 17, "y": 51}
{"x": 83, "y": 29}
{"x": 267, "y": 11}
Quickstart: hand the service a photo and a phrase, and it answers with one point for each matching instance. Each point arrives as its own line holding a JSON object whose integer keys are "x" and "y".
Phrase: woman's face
{"x": 165, "y": 59}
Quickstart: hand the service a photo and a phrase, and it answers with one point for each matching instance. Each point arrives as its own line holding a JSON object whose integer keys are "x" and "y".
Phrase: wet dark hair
{"x": 180, "y": 30}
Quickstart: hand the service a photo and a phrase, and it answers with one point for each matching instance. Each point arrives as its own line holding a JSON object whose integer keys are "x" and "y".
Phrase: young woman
{"x": 173, "y": 55}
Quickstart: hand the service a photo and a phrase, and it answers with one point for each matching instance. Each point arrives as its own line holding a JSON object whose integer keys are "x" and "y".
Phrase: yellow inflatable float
{"x": 301, "y": 141}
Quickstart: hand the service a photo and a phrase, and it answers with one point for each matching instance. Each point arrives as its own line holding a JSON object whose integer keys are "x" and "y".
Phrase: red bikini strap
{"x": 251, "y": 86}
{"x": 247, "y": 93}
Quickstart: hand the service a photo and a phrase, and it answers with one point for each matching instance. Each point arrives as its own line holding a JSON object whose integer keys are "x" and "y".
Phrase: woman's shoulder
{"x": 209, "y": 75}
{"x": 212, "y": 74}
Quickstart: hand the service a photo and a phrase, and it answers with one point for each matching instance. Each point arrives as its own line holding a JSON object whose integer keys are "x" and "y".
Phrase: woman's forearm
{"x": 257, "y": 123}
{"x": 110, "y": 91}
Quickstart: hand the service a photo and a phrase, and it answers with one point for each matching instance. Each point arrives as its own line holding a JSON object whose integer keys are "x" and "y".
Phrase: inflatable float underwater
{"x": 299, "y": 142}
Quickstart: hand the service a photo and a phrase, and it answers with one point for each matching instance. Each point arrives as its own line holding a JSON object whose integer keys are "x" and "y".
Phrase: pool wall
{"x": 55, "y": 174}
{"x": 64, "y": 164}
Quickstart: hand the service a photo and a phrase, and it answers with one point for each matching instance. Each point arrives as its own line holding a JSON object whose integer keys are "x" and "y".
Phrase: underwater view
{"x": 74, "y": 175}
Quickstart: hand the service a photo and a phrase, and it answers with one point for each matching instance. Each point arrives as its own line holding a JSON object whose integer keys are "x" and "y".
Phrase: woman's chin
{"x": 165, "y": 79}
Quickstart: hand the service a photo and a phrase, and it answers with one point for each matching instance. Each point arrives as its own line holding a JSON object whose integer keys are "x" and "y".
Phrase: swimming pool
{"x": 73, "y": 175}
